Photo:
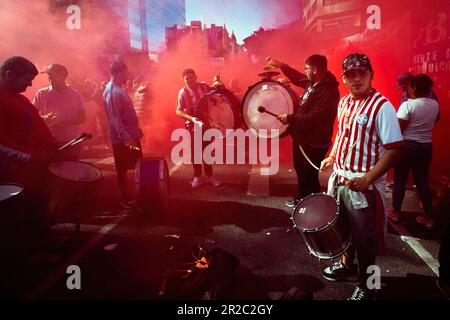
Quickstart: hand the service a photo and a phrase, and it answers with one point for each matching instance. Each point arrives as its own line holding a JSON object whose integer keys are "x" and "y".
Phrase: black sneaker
{"x": 292, "y": 203}
{"x": 339, "y": 272}
{"x": 362, "y": 294}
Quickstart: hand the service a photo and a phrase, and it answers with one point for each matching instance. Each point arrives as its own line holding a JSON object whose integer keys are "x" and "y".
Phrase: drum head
{"x": 218, "y": 110}
{"x": 75, "y": 171}
{"x": 315, "y": 211}
{"x": 8, "y": 191}
{"x": 275, "y": 98}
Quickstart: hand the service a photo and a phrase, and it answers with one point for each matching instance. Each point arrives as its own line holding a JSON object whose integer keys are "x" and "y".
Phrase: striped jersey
{"x": 188, "y": 98}
{"x": 367, "y": 127}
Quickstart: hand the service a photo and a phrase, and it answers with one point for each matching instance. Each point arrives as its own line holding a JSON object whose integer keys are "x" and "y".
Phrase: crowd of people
{"x": 372, "y": 138}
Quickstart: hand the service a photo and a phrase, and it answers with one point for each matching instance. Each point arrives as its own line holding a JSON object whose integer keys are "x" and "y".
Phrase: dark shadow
{"x": 198, "y": 217}
{"x": 411, "y": 287}
{"x": 248, "y": 286}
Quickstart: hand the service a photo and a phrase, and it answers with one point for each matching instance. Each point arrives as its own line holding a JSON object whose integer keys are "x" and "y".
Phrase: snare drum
{"x": 72, "y": 187}
{"x": 12, "y": 214}
{"x": 322, "y": 227}
{"x": 275, "y": 97}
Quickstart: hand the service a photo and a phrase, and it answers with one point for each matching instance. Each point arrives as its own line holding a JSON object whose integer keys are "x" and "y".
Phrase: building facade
{"x": 215, "y": 40}
{"x": 161, "y": 14}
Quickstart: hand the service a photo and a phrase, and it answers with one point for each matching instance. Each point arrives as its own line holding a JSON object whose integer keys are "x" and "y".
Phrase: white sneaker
{"x": 214, "y": 181}
{"x": 196, "y": 183}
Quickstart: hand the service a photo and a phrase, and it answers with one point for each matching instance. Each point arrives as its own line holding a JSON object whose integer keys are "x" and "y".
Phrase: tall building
{"x": 122, "y": 22}
{"x": 129, "y": 23}
{"x": 137, "y": 24}
{"x": 162, "y": 14}
{"x": 338, "y": 16}
{"x": 216, "y": 40}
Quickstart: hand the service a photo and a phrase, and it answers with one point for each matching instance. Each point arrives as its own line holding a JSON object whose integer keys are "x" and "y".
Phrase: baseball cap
{"x": 56, "y": 68}
{"x": 356, "y": 61}
{"x": 403, "y": 79}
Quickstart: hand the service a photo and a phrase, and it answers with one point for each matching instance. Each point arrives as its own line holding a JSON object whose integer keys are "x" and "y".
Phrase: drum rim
{"x": 22, "y": 190}
{"x": 341, "y": 251}
{"x": 288, "y": 88}
{"x": 325, "y": 226}
{"x": 100, "y": 176}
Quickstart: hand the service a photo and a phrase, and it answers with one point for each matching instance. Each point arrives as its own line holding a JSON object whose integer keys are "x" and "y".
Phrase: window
{"x": 332, "y": 2}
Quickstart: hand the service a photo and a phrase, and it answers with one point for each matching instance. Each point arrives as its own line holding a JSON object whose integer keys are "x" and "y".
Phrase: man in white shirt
{"x": 367, "y": 144}
{"x": 66, "y": 103}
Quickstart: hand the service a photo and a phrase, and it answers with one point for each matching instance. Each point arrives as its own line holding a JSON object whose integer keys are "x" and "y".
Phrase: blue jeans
{"x": 417, "y": 158}
{"x": 363, "y": 228}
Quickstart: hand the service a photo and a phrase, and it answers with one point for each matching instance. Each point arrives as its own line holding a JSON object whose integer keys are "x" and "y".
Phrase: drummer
{"x": 366, "y": 146}
{"x": 312, "y": 122}
{"x": 26, "y": 144}
{"x": 187, "y": 108}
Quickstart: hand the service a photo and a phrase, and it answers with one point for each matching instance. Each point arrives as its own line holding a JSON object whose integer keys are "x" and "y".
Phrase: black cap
{"x": 56, "y": 68}
{"x": 356, "y": 61}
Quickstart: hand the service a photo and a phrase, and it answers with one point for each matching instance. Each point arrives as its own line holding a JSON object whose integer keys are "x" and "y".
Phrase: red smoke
{"x": 408, "y": 30}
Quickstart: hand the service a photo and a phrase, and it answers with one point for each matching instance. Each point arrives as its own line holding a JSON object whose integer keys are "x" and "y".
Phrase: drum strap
{"x": 307, "y": 159}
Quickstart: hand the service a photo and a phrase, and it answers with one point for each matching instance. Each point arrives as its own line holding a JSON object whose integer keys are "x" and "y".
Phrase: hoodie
{"x": 312, "y": 122}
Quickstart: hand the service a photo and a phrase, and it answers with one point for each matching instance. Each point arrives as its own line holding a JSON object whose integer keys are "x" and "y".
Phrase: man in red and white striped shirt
{"x": 188, "y": 109}
{"x": 367, "y": 144}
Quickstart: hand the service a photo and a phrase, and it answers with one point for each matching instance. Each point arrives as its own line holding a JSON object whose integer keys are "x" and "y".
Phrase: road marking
{"x": 175, "y": 168}
{"x": 258, "y": 185}
{"x": 60, "y": 271}
{"x": 418, "y": 248}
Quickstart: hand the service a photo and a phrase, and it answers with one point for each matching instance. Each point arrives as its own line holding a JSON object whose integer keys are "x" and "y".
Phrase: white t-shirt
{"x": 421, "y": 114}
{"x": 68, "y": 104}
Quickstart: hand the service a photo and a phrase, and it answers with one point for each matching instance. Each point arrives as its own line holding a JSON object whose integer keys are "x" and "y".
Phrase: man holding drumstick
{"x": 312, "y": 122}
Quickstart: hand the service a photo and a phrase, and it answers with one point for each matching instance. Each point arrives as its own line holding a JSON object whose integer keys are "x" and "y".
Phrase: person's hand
{"x": 271, "y": 62}
{"x": 326, "y": 163}
{"x": 132, "y": 145}
{"x": 359, "y": 184}
{"x": 197, "y": 121}
{"x": 283, "y": 118}
{"x": 49, "y": 116}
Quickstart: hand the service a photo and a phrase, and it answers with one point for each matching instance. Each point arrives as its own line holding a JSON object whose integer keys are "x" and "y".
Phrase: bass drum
{"x": 220, "y": 109}
{"x": 275, "y": 97}
{"x": 152, "y": 185}
{"x": 72, "y": 188}
{"x": 322, "y": 227}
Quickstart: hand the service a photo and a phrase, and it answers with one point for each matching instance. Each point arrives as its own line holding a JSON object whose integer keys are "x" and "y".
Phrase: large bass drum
{"x": 152, "y": 185}
{"x": 219, "y": 109}
{"x": 275, "y": 97}
{"x": 322, "y": 227}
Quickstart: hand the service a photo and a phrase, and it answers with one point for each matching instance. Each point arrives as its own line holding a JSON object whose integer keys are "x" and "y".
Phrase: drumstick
{"x": 262, "y": 110}
{"x": 83, "y": 136}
